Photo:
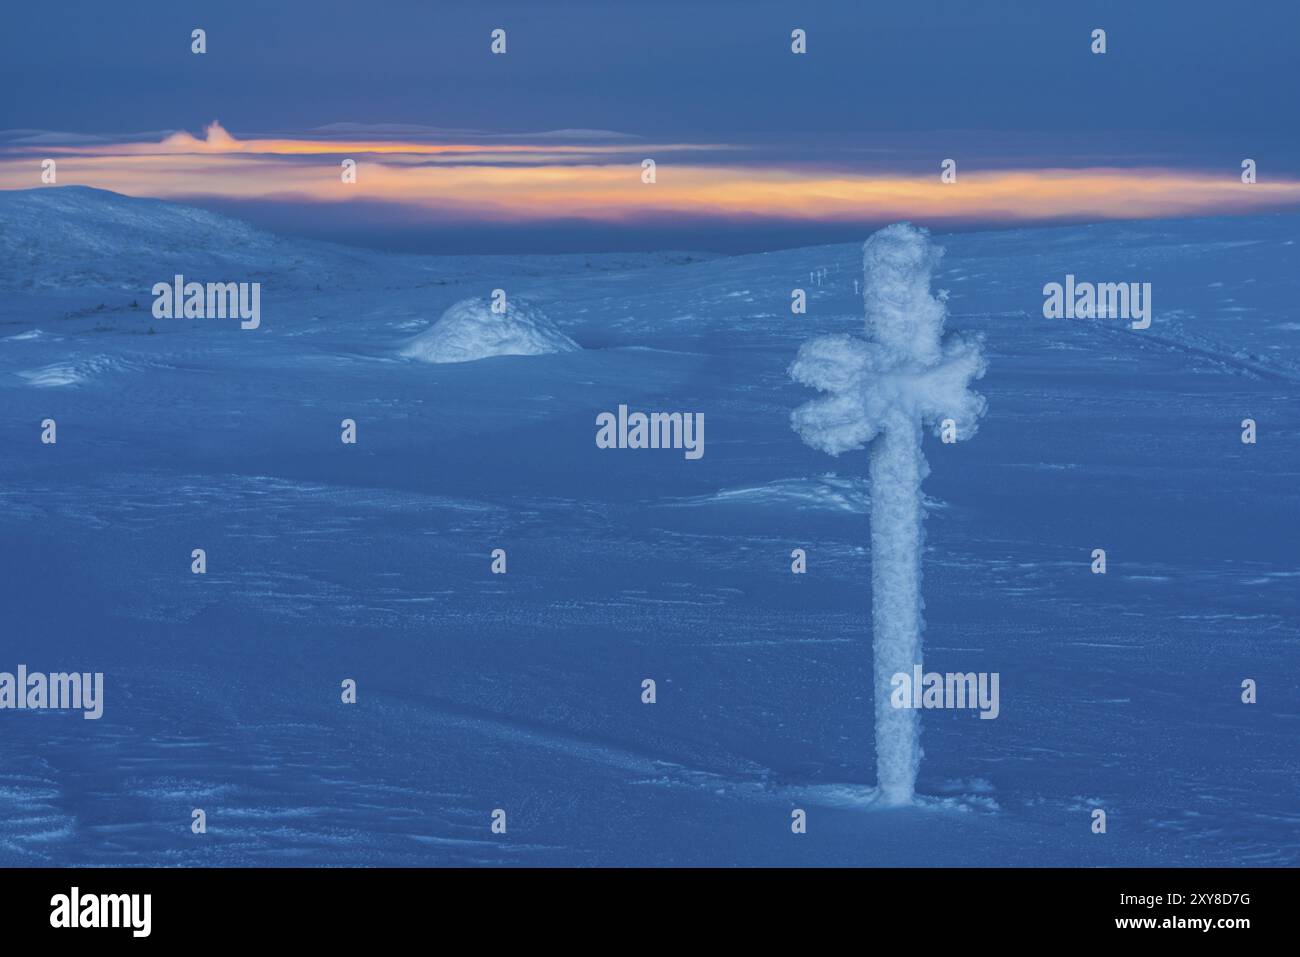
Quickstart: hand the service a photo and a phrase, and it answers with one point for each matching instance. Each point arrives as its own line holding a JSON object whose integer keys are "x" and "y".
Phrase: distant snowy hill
{"x": 74, "y": 237}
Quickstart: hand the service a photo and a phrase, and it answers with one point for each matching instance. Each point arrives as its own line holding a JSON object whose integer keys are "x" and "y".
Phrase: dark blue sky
{"x": 1188, "y": 83}
{"x": 662, "y": 68}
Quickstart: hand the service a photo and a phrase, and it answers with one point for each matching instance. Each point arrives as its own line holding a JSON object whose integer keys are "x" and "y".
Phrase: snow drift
{"x": 470, "y": 330}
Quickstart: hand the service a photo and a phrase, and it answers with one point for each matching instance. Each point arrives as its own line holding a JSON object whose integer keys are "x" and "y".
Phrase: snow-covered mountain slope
{"x": 522, "y": 691}
{"x": 75, "y": 236}
{"x": 59, "y": 239}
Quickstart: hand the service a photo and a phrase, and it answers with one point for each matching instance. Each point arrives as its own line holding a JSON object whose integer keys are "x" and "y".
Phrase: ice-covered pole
{"x": 883, "y": 390}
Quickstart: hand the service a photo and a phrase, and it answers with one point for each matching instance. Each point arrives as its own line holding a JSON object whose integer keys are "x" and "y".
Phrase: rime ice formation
{"x": 884, "y": 390}
{"x": 470, "y": 330}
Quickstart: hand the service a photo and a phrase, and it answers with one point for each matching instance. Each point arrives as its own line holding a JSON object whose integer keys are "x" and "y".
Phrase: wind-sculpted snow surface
{"x": 471, "y": 330}
{"x": 909, "y": 375}
{"x": 523, "y": 691}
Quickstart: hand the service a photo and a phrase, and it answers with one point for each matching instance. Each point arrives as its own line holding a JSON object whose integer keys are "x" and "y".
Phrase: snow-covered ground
{"x": 522, "y": 691}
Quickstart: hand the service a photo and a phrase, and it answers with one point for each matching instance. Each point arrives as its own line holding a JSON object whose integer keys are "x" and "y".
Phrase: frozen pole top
{"x": 906, "y": 365}
{"x": 901, "y": 315}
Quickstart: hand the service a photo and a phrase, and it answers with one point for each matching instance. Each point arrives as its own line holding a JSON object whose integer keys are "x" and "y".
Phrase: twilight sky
{"x": 756, "y": 147}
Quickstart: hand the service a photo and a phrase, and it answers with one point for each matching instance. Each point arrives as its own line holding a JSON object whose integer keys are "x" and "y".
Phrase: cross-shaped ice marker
{"x": 883, "y": 390}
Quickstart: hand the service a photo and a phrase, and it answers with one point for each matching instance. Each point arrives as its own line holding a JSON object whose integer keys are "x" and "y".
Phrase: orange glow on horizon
{"x": 539, "y": 180}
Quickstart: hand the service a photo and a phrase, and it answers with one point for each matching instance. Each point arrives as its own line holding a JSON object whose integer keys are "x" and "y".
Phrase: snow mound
{"x": 830, "y": 492}
{"x": 470, "y": 330}
{"x": 74, "y": 371}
